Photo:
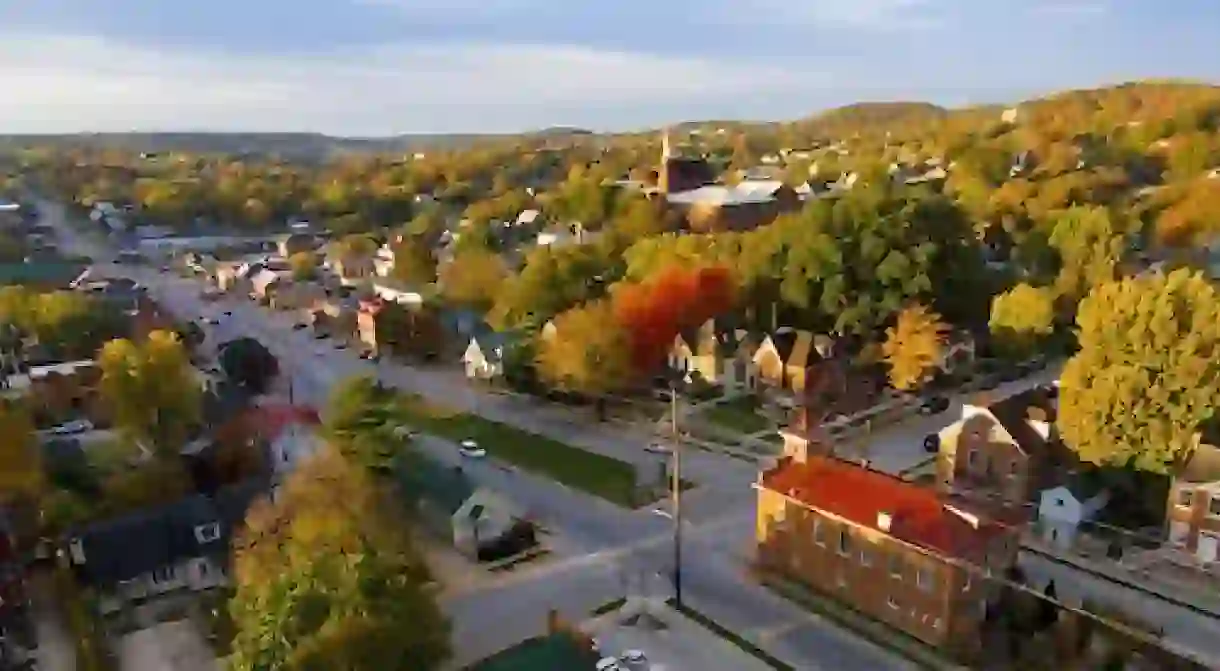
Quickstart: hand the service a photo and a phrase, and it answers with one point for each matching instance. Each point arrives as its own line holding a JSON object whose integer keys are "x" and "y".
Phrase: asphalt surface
{"x": 602, "y": 550}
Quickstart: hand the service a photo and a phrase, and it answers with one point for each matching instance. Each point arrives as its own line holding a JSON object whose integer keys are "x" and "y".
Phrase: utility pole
{"x": 675, "y": 484}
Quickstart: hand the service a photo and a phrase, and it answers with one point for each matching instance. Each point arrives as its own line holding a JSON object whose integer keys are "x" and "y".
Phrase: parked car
{"x": 470, "y": 449}
{"x": 934, "y": 405}
{"x": 404, "y": 431}
{"x": 657, "y": 448}
{"x": 73, "y": 427}
{"x": 931, "y": 443}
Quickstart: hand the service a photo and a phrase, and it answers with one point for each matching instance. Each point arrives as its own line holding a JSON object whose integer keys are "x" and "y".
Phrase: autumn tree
{"x": 551, "y": 281}
{"x": 653, "y": 313}
{"x": 1090, "y": 250}
{"x": 304, "y": 266}
{"x": 473, "y": 277}
{"x": 151, "y": 389}
{"x": 327, "y": 578}
{"x": 592, "y": 357}
{"x": 914, "y": 346}
{"x": 1147, "y": 375}
{"x": 1022, "y": 317}
{"x": 21, "y": 474}
{"x": 414, "y": 263}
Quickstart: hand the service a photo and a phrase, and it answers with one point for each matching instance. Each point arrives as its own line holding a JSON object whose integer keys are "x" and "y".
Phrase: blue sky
{"x": 376, "y": 67}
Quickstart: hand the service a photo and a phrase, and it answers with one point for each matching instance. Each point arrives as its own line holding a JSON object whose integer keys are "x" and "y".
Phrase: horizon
{"x": 1032, "y": 97}
{"x": 385, "y": 68}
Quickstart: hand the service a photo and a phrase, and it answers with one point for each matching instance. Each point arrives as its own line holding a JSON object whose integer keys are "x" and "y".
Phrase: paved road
{"x": 1185, "y": 630}
{"x": 597, "y": 543}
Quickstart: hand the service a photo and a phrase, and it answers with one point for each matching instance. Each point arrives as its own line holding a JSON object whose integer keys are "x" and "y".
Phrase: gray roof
{"x": 421, "y": 480}
{"x": 132, "y": 545}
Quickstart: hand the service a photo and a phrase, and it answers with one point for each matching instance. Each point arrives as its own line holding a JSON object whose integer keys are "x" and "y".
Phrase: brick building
{"x": 888, "y": 548}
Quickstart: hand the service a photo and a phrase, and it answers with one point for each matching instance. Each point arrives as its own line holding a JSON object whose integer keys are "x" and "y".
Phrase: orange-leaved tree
{"x": 653, "y": 312}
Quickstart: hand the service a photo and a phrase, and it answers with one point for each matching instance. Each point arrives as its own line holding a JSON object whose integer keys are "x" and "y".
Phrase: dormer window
{"x": 1185, "y": 498}
{"x": 207, "y": 533}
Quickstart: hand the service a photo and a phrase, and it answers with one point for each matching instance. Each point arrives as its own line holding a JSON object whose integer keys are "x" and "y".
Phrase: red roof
{"x": 858, "y": 494}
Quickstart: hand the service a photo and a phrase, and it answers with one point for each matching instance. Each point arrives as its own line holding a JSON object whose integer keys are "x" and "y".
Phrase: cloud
{"x": 1070, "y": 9}
{"x": 853, "y": 14}
{"x": 63, "y": 83}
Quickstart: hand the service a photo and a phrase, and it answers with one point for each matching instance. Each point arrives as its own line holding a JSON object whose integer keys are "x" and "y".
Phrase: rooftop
{"x": 722, "y": 195}
{"x": 555, "y": 651}
{"x": 917, "y": 515}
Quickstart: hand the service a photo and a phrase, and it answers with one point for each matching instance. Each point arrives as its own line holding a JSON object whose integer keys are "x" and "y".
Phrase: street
{"x": 600, "y": 547}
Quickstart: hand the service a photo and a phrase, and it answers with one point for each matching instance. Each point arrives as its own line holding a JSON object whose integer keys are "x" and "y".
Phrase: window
{"x": 866, "y": 557}
{"x": 163, "y": 574}
{"x": 896, "y": 567}
{"x": 892, "y": 603}
{"x": 844, "y": 542}
{"x": 817, "y": 531}
{"x": 842, "y": 581}
{"x": 1013, "y": 466}
{"x": 1213, "y": 506}
{"x": 972, "y": 457}
{"x": 1184, "y": 498}
{"x": 924, "y": 579}
{"x": 207, "y": 533}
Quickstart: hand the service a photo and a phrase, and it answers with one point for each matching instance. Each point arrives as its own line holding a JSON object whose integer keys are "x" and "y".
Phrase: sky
{"x": 384, "y": 67}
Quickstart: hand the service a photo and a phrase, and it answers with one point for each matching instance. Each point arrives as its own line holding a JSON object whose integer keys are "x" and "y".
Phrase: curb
{"x": 1118, "y": 581}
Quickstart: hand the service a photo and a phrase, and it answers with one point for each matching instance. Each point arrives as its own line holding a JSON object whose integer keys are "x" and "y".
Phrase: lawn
{"x": 737, "y": 415}
{"x": 596, "y": 474}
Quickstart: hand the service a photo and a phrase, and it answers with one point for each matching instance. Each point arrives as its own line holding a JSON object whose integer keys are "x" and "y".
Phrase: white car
{"x": 71, "y": 428}
{"x": 609, "y": 664}
{"x": 657, "y": 448}
{"x": 403, "y": 431}
{"x": 470, "y": 449}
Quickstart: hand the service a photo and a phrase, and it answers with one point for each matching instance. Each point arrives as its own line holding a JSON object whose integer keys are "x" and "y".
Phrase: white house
{"x": 484, "y": 357}
{"x": 1062, "y": 509}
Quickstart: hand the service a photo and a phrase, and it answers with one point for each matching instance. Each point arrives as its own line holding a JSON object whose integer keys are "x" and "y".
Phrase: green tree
{"x": 1022, "y": 317}
{"x": 473, "y": 277}
{"x": 914, "y": 346}
{"x": 327, "y": 578}
{"x": 553, "y": 280}
{"x": 304, "y": 266}
{"x": 1147, "y": 375}
{"x": 151, "y": 389}
{"x": 1090, "y": 250}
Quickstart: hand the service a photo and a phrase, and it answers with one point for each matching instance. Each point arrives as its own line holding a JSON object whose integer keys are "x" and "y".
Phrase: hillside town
{"x": 892, "y": 387}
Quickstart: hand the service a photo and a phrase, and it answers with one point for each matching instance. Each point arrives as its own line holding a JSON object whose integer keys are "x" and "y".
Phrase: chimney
{"x": 883, "y": 521}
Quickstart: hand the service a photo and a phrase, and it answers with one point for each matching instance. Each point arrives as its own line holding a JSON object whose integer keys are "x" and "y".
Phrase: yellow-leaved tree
{"x": 914, "y": 346}
{"x": 1146, "y": 378}
{"x": 327, "y": 578}
{"x": 590, "y": 356}
{"x": 151, "y": 389}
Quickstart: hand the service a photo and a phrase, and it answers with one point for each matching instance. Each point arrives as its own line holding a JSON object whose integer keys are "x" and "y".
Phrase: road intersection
{"x": 599, "y": 548}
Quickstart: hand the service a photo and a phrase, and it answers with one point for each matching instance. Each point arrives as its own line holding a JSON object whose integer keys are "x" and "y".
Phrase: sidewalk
{"x": 1200, "y": 601}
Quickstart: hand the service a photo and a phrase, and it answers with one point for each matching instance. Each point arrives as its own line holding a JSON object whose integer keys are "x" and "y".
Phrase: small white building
{"x": 1063, "y": 509}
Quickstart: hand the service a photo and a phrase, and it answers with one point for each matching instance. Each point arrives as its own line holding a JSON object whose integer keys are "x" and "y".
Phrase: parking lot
{"x": 682, "y": 644}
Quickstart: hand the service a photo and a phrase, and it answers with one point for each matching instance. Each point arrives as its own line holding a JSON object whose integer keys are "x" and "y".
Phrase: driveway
{"x": 169, "y": 646}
